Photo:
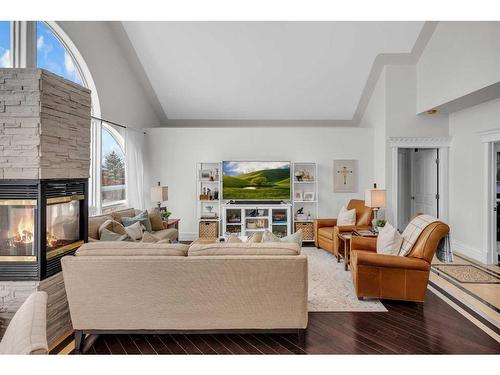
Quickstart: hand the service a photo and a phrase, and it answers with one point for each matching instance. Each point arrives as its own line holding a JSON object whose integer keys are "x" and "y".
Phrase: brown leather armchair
{"x": 395, "y": 277}
{"x": 325, "y": 230}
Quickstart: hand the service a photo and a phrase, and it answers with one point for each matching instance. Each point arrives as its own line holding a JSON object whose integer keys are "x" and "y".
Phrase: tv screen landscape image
{"x": 255, "y": 180}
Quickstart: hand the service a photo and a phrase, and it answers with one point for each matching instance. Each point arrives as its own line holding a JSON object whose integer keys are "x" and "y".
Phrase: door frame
{"x": 489, "y": 138}
{"x": 443, "y": 145}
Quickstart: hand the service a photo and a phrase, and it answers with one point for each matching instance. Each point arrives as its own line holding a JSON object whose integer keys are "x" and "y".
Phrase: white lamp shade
{"x": 375, "y": 198}
{"x": 159, "y": 194}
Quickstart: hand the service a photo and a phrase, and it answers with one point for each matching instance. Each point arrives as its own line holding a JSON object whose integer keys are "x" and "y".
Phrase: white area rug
{"x": 330, "y": 286}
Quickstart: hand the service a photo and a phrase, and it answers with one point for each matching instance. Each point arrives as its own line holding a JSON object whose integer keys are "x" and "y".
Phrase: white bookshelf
{"x": 209, "y": 182}
{"x": 305, "y": 186}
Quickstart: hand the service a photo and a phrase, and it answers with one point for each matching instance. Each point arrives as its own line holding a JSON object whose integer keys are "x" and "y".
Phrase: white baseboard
{"x": 188, "y": 236}
{"x": 471, "y": 252}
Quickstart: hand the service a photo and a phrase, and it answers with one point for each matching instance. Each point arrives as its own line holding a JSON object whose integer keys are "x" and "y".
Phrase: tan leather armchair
{"x": 325, "y": 230}
{"x": 395, "y": 277}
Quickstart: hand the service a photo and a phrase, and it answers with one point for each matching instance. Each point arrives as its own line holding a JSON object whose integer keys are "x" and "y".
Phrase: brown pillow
{"x": 117, "y": 215}
{"x": 233, "y": 238}
{"x": 156, "y": 221}
{"x": 113, "y": 226}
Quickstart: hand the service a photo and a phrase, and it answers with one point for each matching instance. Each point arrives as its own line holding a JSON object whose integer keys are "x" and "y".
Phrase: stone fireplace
{"x": 44, "y": 170}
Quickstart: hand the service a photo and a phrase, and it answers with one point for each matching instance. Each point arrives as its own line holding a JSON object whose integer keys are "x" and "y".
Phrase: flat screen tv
{"x": 256, "y": 180}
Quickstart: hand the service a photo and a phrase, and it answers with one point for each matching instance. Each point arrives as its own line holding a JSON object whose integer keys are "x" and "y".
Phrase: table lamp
{"x": 375, "y": 199}
{"x": 159, "y": 194}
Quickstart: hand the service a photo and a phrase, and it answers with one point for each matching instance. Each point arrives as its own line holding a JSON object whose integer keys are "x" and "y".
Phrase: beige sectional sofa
{"x": 96, "y": 221}
{"x": 143, "y": 287}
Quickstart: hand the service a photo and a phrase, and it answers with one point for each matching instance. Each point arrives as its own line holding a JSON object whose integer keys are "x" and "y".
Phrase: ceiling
{"x": 264, "y": 70}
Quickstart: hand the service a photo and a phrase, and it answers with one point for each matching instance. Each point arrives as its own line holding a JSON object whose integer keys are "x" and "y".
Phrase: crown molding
{"x": 491, "y": 135}
{"x": 419, "y": 142}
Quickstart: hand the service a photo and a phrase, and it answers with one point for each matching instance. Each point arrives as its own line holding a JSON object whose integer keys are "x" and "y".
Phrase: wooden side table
{"x": 172, "y": 223}
{"x": 344, "y": 247}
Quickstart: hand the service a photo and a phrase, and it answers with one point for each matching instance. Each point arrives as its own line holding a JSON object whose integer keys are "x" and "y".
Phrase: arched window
{"x": 113, "y": 189}
{"x": 52, "y": 55}
{"x": 5, "y": 48}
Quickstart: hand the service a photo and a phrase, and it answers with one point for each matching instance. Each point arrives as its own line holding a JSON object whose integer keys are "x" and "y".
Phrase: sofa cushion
{"x": 326, "y": 232}
{"x": 142, "y": 217}
{"x": 166, "y": 234}
{"x": 134, "y": 231}
{"x": 27, "y": 331}
{"x": 224, "y": 248}
{"x": 95, "y": 223}
{"x": 233, "y": 238}
{"x": 118, "y": 215}
{"x": 255, "y": 238}
{"x": 107, "y": 235}
{"x": 296, "y": 237}
{"x": 156, "y": 221}
{"x": 149, "y": 238}
{"x": 113, "y": 226}
{"x": 131, "y": 249}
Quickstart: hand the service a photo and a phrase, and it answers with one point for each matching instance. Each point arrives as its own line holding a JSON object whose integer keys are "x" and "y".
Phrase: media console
{"x": 246, "y": 219}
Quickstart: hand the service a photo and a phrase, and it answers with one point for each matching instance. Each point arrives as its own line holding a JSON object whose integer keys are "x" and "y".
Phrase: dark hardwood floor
{"x": 408, "y": 328}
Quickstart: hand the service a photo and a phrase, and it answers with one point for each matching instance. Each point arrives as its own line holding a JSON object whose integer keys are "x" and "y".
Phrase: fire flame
{"x": 25, "y": 230}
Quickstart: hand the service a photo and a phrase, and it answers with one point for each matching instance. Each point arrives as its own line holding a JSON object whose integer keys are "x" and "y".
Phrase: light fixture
{"x": 159, "y": 194}
{"x": 375, "y": 199}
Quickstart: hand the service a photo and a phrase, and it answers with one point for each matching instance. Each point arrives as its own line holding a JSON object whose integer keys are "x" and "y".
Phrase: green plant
{"x": 165, "y": 214}
{"x": 381, "y": 223}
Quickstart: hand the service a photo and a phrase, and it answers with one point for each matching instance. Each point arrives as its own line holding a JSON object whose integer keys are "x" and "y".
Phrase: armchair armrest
{"x": 370, "y": 259}
{"x": 346, "y": 228}
{"x": 364, "y": 243}
{"x": 319, "y": 223}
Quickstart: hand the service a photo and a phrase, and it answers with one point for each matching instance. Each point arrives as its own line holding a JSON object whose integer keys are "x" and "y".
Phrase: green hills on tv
{"x": 266, "y": 184}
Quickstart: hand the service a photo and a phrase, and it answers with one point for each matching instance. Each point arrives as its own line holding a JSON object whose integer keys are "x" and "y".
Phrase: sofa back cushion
{"x": 223, "y": 249}
{"x": 95, "y": 223}
{"x": 118, "y": 215}
{"x": 131, "y": 249}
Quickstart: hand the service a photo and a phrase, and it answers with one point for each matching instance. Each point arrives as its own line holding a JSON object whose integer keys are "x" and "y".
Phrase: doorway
{"x": 418, "y": 184}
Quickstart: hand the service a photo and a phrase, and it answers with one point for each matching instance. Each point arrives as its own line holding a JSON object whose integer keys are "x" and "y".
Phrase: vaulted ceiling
{"x": 264, "y": 70}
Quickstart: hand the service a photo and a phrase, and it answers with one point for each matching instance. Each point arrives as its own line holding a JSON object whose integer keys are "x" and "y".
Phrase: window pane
{"x": 5, "y": 44}
{"x": 112, "y": 171}
{"x": 52, "y": 55}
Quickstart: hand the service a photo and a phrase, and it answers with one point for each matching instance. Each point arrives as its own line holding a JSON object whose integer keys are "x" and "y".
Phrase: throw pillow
{"x": 134, "y": 230}
{"x": 142, "y": 217}
{"x": 112, "y": 226}
{"x": 255, "y": 238}
{"x": 389, "y": 240}
{"x": 233, "y": 238}
{"x": 296, "y": 237}
{"x": 107, "y": 235}
{"x": 346, "y": 217}
{"x": 156, "y": 221}
{"x": 149, "y": 238}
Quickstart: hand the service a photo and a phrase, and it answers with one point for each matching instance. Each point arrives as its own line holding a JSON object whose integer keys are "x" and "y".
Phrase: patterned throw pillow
{"x": 255, "y": 238}
{"x": 295, "y": 237}
{"x": 134, "y": 230}
{"x": 156, "y": 221}
{"x": 112, "y": 226}
{"x": 143, "y": 218}
{"x": 233, "y": 238}
{"x": 107, "y": 235}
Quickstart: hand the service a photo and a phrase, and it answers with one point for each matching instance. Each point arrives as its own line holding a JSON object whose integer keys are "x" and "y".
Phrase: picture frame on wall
{"x": 298, "y": 195}
{"x": 345, "y": 176}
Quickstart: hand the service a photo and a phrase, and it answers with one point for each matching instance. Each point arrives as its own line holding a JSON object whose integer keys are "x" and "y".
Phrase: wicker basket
{"x": 209, "y": 229}
{"x": 307, "y": 230}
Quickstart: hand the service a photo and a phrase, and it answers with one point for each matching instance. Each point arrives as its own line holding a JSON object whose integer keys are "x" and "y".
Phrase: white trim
{"x": 488, "y": 138}
{"x": 469, "y": 251}
{"x": 441, "y": 143}
{"x": 419, "y": 142}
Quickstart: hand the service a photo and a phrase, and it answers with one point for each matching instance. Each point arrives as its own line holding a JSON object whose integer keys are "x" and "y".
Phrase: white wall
{"x": 466, "y": 176}
{"x": 122, "y": 94}
{"x": 460, "y": 58}
{"x": 174, "y": 152}
{"x": 374, "y": 117}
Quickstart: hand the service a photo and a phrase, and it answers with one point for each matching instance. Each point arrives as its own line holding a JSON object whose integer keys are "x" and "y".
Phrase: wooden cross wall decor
{"x": 345, "y": 172}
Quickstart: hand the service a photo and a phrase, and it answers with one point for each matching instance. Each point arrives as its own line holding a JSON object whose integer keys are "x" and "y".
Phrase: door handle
{"x": 412, "y": 198}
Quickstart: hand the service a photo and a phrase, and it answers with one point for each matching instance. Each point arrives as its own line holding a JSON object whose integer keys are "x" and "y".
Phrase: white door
{"x": 424, "y": 184}
{"x": 404, "y": 187}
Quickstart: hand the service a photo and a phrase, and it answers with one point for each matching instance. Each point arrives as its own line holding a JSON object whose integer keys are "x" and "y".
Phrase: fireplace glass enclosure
{"x": 17, "y": 229}
{"x": 40, "y": 222}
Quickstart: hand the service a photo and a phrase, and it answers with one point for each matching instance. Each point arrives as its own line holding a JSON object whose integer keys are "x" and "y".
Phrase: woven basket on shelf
{"x": 307, "y": 230}
{"x": 209, "y": 229}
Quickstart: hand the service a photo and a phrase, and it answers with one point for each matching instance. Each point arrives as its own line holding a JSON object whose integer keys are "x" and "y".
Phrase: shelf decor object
{"x": 208, "y": 188}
